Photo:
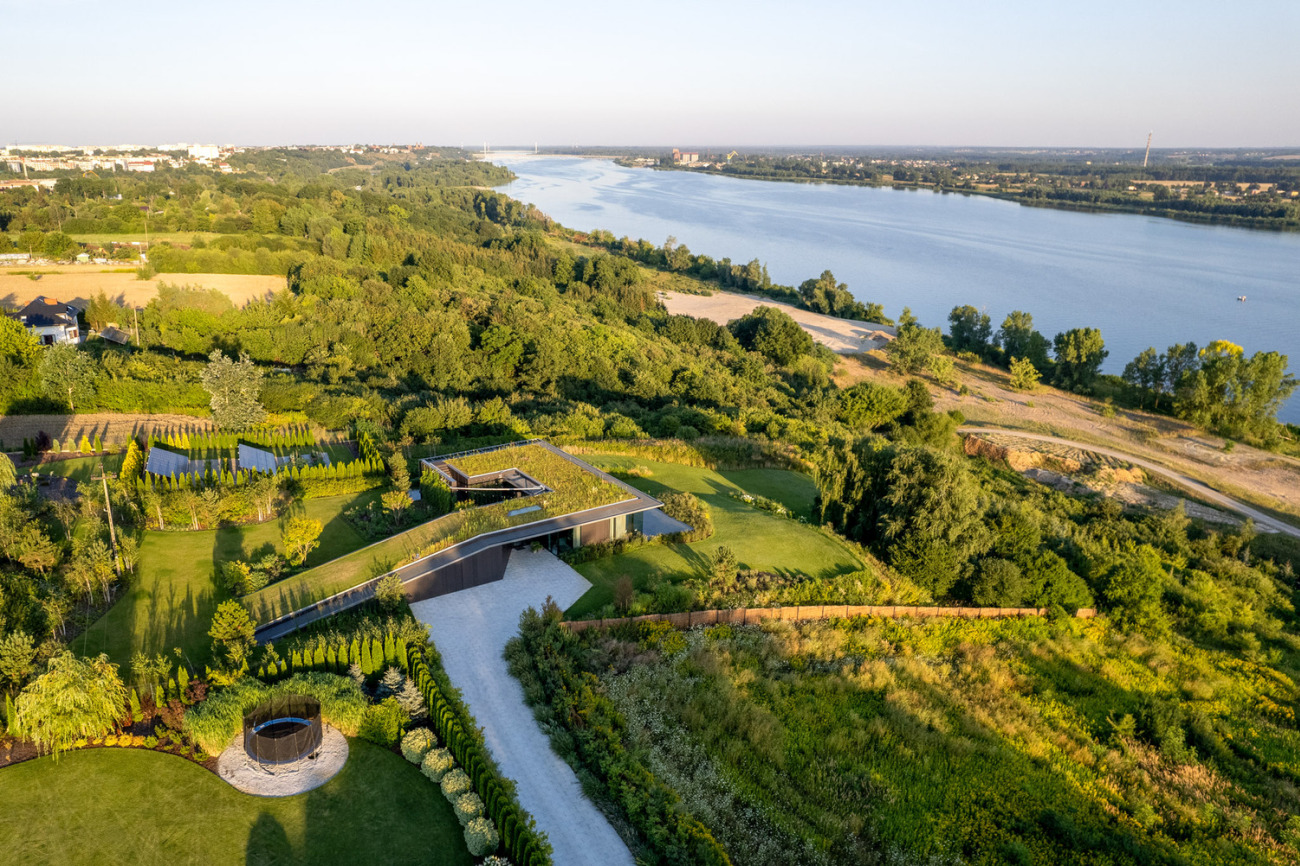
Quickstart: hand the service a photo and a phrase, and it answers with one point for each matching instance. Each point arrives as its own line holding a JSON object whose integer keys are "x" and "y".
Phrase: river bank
{"x": 1142, "y": 281}
{"x": 1020, "y": 198}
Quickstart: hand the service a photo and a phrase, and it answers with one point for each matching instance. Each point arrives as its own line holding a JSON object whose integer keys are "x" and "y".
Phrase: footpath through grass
{"x": 760, "y": 540}
{"x": 173, "y": 595}
{"x": 140, "y": 807}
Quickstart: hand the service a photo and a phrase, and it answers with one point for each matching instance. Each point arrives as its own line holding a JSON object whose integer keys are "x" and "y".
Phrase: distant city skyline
{"x": 1200, "y": 74}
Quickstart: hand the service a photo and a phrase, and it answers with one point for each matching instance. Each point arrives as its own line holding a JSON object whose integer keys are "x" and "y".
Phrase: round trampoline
{"x": 282, "y": 730}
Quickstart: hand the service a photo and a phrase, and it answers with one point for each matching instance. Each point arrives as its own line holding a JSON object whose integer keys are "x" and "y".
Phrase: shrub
{"x": 468, "y": 806}
{"x": 383, "y": 722}
{"x": 690, "y": 510}
{"x": 417, "y": 743}
{"x": 389, "y": 592}
{"x": 151, "y": 742}
{"x": 481, "y": 837}
{"x": 454, "y": 784}
{"x": 436, "y": 764}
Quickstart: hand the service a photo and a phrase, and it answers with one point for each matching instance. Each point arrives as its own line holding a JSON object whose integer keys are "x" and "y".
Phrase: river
{"x": 1144, "y": 281}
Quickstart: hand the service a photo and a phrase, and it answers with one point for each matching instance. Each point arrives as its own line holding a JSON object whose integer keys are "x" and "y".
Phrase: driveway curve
{"x": 470, "y": 629}
{"x": 1200, "y": 488}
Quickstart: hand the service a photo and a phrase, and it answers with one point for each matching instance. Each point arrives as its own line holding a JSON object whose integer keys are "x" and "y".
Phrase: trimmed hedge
{"x": 514, "y": 827}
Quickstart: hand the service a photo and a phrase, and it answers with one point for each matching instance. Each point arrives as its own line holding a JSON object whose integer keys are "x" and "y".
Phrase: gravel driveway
{"x": 470, "y": 629}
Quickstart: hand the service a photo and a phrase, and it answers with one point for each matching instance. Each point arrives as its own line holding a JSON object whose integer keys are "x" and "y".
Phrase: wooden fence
{"x": 813, "y": 612}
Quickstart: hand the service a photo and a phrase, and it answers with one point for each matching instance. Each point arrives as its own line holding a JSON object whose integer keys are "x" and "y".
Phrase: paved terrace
{"x": 635, "y": 503}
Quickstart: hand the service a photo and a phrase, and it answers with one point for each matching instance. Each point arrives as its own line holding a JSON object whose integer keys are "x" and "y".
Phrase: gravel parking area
{"x": 470, "y": 629}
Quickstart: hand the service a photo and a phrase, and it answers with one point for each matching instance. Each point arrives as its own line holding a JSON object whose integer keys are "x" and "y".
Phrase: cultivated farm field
{"x": 127, "y": 289}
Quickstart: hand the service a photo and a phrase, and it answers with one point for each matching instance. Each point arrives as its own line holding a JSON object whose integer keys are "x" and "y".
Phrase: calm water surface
{"x": 1143, "y": 281}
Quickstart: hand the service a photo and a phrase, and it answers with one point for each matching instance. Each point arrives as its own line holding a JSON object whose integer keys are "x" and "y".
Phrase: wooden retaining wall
{"x": 812, "y": 613}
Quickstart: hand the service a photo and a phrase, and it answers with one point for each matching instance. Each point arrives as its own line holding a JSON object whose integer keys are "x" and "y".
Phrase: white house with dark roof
{"x": 50, "y": 320}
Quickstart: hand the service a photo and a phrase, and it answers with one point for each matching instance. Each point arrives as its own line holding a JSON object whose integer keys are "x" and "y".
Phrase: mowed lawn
{"x": 78, "y": 469}
{"x": 173, "y": 595}
{"x": 139, "y": 807}
{"x": 761, "y": 540}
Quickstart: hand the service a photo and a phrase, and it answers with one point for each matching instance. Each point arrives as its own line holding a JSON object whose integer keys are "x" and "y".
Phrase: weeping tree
{"x": 74, "y": 699}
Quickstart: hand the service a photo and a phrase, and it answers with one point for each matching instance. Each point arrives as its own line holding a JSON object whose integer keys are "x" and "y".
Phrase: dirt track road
{"x": 1263, "y": 521}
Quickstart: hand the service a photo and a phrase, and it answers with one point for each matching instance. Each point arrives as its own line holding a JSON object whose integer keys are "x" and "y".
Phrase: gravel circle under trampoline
{"x": 283, "y": 780}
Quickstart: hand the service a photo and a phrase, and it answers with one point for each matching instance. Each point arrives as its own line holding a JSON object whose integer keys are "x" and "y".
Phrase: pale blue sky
{"x": 1101, "y": 73}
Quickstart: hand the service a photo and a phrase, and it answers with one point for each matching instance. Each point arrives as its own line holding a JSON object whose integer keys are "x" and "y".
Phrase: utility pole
{"x": 112, "y": 532}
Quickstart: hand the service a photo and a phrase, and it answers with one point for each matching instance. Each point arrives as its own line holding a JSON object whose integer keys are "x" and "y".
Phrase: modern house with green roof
{"x": 509, "y": 497}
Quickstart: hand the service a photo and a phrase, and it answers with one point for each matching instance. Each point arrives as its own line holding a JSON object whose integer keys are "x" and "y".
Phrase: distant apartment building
{"x": 50, "y": 321}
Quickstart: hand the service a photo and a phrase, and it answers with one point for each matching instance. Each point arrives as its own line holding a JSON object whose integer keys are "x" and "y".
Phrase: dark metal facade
{"x": 481, "y": 568}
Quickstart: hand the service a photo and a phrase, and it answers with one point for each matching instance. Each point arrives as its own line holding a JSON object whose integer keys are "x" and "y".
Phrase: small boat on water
{"x": 1241, "y": 297}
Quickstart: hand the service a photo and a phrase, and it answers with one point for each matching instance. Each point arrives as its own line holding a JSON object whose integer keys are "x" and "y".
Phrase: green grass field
{"x": 171, "y": 600}
{"x": 79, "y": 469}
{"x": 139, "y": 807}
{"x": 760, "y": 540}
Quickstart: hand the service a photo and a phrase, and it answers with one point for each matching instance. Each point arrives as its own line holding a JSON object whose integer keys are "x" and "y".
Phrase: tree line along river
{"x": 1143, "y": 281}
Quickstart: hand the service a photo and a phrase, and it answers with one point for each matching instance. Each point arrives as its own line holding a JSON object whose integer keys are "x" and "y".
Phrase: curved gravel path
{"x": 1200, "y": 488}
{"x": 470, "y": 629}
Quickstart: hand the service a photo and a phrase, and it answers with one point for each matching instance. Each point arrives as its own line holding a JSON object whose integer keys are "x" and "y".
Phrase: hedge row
{"x": 374, "y": 656}
{"x": 523, "y": 843}
{"x": 32, "y": 447}
{"x": 303, "y": 474}
{"x": 294, "y": 436}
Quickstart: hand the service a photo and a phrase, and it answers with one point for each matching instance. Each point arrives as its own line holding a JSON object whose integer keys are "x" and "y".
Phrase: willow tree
{"x": 75, "y": 699}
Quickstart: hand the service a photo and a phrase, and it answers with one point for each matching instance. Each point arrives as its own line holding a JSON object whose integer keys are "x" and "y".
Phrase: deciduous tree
{"x": 969, "y": 330}
{"x": 1024, "y": 376}
{"x": 234, "y": 388}
{"x": 300, "y": 536}
{"x": 1079, "y": 353}
{"x": 74, "y": 699}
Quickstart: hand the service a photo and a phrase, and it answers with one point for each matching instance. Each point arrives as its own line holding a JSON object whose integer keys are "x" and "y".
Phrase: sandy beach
{"x": 839, "y": 335}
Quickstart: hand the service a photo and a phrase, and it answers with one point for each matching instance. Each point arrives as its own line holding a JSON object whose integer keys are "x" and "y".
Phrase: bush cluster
{"x": 502, "y": 820}
{"x": 417, "y": 743}
{"x": 436, "y": 764}
{"x": 543, "y": 658}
